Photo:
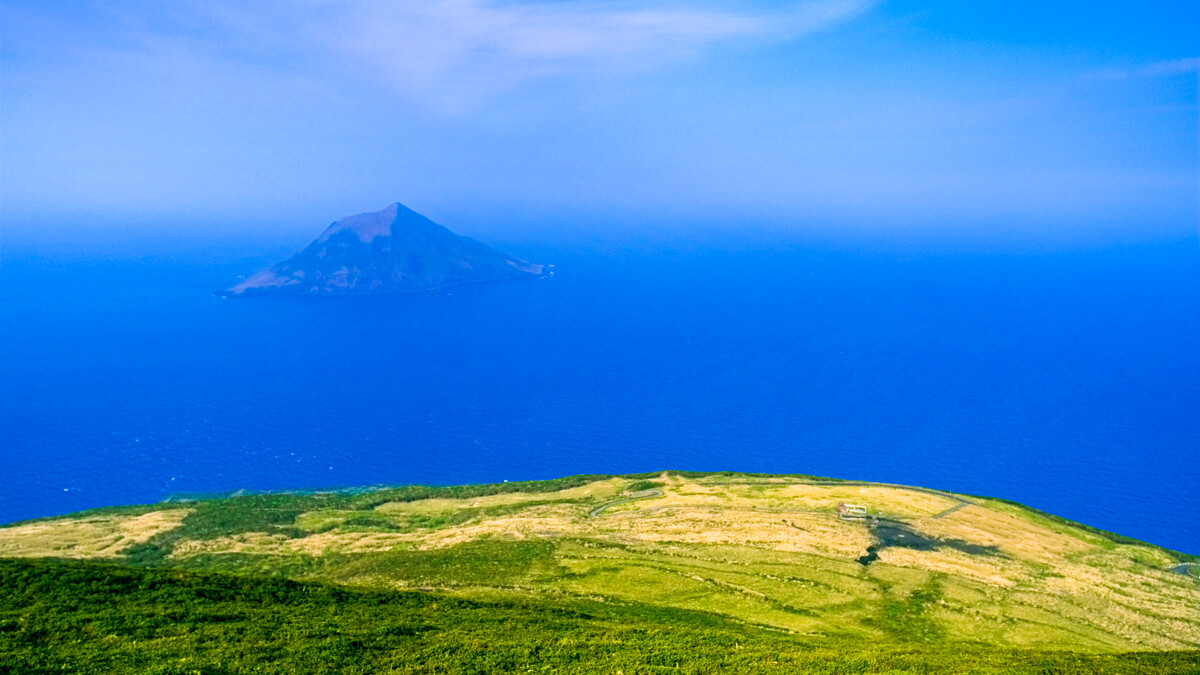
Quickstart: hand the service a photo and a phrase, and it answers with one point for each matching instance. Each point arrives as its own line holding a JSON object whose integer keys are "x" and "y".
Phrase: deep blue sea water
{"x": 1068, "y": 380}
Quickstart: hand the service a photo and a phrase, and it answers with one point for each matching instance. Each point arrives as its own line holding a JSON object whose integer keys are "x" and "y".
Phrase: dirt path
{"x": 644, "y": 494}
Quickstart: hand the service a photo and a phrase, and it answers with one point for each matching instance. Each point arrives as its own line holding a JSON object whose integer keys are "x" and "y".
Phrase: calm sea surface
{"x": 1069, "y": 381}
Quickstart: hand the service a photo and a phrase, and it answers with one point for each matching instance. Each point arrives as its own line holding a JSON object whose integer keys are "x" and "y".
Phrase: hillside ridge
{"x": 799, "y": 554}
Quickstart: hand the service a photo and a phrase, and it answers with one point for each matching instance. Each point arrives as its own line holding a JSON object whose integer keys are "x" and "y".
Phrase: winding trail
{"x": 1183, "y": 568}
{"x": 644, "y": 494}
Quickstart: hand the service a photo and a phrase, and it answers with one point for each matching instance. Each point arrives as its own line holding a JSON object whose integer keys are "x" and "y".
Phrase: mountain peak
{"x": 393, "y": 250}
{"x": 367, "y": 226}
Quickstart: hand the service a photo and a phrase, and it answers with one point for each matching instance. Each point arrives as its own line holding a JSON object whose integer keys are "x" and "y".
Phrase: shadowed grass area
{"x": 908, "y": 618}
{"x": 87, "y": 618}
{"x": 642, "y": 485}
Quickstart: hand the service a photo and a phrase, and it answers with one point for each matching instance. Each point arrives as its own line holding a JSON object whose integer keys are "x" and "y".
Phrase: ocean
{"x": 1065, "y": 379}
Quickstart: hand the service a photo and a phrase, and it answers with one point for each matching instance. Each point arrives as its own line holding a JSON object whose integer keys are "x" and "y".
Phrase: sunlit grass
{"x": 90, "y": 619}
{"x": 764, "y": 550}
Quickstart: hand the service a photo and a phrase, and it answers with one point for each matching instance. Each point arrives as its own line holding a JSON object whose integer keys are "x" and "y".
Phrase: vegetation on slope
{"x": 88, "y": 618}
{"x": 761, "y": 550}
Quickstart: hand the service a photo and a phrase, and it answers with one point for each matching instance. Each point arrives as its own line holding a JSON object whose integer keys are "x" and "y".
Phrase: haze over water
{"x": 1067, "y": 379}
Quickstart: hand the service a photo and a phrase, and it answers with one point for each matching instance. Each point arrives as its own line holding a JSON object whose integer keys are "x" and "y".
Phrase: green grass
{"x": 268, "y": 512}
{"x": 595, "y": 559}
{"x": 276, "y": 513}
{"x": 477, "y": 563}
{"x": 86, "y": 618}
{"x": 800, "y": 592}
{"x": 908, "y": 617}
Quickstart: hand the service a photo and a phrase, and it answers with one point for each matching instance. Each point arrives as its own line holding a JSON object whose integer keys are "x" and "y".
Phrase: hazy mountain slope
{"x": 394, "y": 250}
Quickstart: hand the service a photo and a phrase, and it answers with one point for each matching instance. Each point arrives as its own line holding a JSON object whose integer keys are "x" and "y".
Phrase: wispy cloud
{"x": 458, "y": 51}
{"x": 1156, "y": 69}
{"x": 1172, "y": 67}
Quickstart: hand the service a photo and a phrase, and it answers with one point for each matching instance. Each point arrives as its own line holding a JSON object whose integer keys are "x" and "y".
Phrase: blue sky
{"x": 906, "y": 115}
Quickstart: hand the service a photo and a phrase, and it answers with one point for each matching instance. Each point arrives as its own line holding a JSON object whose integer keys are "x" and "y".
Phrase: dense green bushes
{"x": 85, "y": 618}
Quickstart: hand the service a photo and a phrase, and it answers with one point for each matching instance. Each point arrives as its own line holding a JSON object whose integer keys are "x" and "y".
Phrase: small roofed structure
{"x": 851, "y": 510}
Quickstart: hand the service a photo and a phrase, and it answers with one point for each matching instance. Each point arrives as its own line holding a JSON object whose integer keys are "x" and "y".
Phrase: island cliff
{"x": 395, "y": 250}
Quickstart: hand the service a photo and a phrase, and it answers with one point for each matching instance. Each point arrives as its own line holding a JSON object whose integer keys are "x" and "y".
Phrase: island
{"x": 394, "y": 250}
{"x": 670, "y": 571}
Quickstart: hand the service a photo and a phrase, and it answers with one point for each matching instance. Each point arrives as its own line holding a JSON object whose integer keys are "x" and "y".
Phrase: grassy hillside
{"x": 927, "y": 571}
{"x": 86, "y": 618}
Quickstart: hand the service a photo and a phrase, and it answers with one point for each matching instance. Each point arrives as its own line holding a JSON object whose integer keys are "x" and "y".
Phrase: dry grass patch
{"x": 598, "y": 490}
{"x": 895, "y": 502}
{"x": 990, "y": 570}
{"x": 100, "y": 537}
{"x": 1014, "y": 536}
{"x": 517, "y": 527}
{"x": 799, "y": 533}
{"x": 261, "y": 543}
